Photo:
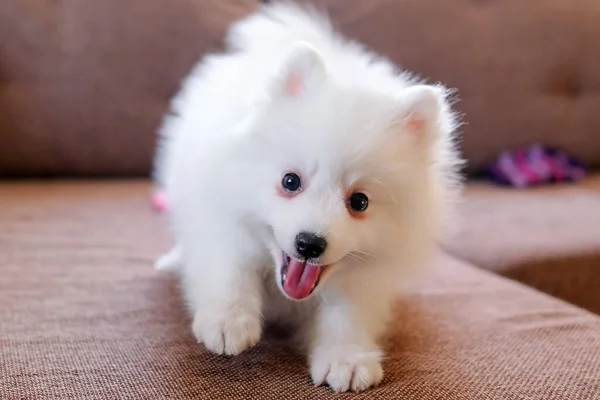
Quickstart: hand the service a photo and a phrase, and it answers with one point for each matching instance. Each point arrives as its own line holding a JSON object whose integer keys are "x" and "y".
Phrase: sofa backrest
{"x": 83, "y": 84}
{"x": 526, "y": 71}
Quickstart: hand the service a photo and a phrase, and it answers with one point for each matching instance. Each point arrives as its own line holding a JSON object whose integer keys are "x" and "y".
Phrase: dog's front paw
{"x": 228, "y": 333}
{"x": 346, "y": 368}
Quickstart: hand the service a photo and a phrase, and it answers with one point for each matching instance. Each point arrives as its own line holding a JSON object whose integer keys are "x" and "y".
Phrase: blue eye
{"x": 358, "y": 202}
{"x": 291, "y": 182}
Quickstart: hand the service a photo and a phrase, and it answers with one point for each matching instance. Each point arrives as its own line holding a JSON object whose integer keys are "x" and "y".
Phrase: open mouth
{"x": 299, "y": 278}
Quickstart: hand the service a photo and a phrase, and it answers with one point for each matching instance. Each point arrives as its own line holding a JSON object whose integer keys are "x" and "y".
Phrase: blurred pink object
{"x": 159, "y": 201}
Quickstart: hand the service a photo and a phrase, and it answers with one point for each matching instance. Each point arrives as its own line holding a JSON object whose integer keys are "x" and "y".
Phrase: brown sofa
{"x": 83, "y": 315}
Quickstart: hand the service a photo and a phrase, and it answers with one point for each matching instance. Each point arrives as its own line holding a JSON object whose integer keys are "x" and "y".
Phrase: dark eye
{"x": 358, "y": 202}
{"x": 291, "y": 182}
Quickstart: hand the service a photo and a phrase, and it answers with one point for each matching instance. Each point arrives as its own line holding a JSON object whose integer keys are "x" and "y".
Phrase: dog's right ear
{"x": 421, "y": 108}
{"x": 302, "y": 70}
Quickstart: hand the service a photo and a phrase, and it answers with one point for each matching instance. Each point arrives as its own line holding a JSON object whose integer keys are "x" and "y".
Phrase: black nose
{"x": 309, "y": 245}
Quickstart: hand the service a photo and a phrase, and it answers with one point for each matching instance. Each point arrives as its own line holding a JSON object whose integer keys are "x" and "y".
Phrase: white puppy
{"x": 305, "y": 176}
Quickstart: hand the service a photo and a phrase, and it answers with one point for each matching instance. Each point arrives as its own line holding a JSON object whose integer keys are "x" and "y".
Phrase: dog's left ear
{"x": 303, "y": 70}
{"x": 421, "y": 107}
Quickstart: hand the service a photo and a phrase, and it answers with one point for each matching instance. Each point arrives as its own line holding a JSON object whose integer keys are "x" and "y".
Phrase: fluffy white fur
{"x": 292, "y": 95}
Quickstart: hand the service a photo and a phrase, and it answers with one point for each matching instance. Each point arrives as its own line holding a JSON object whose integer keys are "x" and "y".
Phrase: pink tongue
{"x": 300, "y": 279}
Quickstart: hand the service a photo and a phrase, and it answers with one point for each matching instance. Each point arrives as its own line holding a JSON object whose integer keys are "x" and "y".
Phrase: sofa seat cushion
{"x": 546, "y": 237}
{"x": 84, "y": 316}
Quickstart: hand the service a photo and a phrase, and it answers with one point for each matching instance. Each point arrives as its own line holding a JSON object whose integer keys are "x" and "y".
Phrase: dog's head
{"x": 350, "y": 177}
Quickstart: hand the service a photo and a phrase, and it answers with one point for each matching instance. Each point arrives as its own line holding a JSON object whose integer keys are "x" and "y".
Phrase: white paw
{"x": 346, "y": 368}
{"x": 227, "y": 333}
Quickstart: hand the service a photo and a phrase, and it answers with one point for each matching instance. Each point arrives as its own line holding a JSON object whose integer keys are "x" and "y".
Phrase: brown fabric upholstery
{"x": 83, "y": 316}
{"x": 526, "y": 71}
{"x": 548, "y": 237}
{"x": 83, "y": 84}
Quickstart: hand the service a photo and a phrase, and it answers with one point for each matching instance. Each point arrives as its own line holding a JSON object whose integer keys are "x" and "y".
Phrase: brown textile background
{"x": 83, "y": 84}
{"x": 84, "y": 316}
{"x": 547, "y": 237}
{"x": 526, "y": 71}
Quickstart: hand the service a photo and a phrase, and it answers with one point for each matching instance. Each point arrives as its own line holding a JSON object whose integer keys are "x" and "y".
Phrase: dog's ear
{"x": 303, "y": 69}
{"x": 421, "y": 107}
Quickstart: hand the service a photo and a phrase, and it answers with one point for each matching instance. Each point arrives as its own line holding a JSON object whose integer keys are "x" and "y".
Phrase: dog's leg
{"x": 223, "y": 286}
{"x": 343, "y": 346}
